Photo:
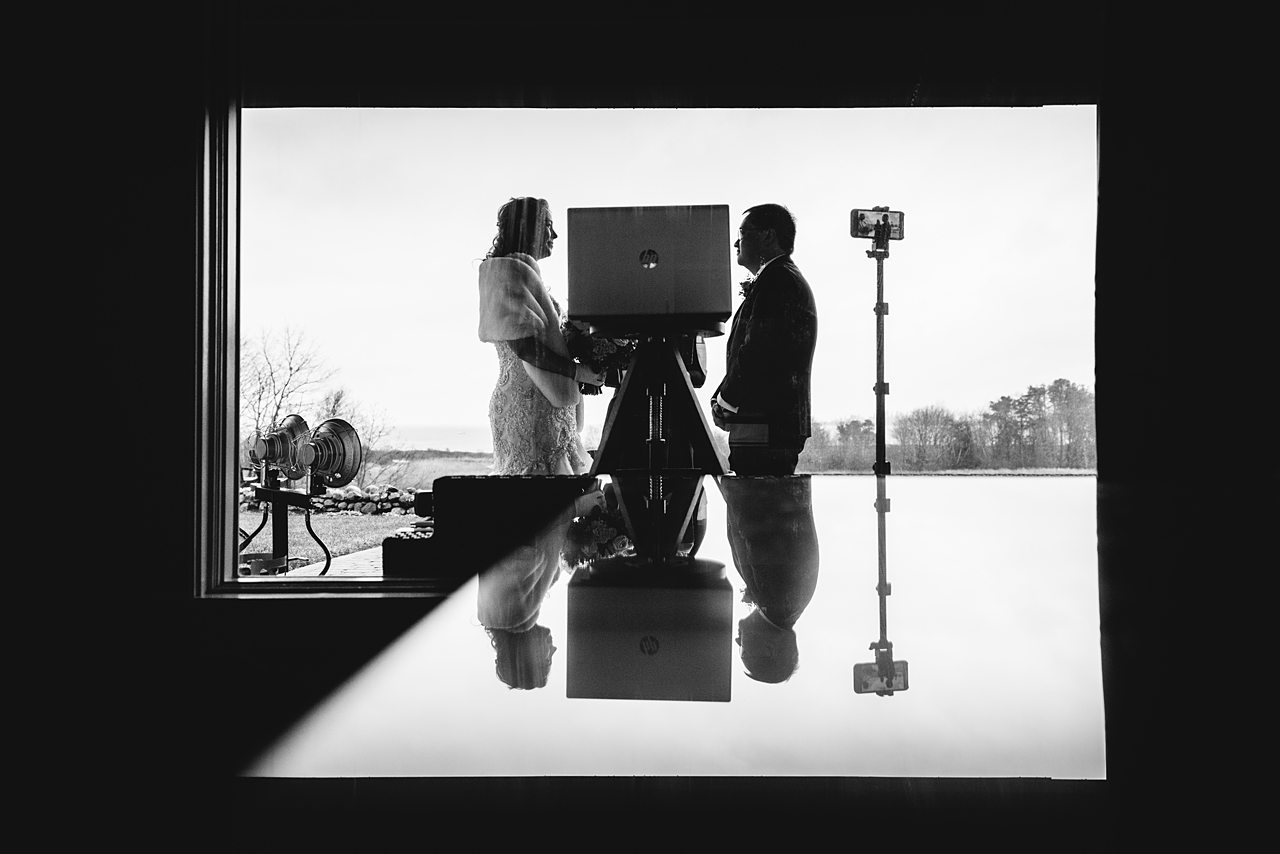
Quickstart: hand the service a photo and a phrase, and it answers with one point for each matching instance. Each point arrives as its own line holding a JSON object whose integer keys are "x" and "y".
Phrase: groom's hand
{"x": 719, "y": 413}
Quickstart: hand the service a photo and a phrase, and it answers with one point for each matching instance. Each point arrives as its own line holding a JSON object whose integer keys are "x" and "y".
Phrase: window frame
{"x": 217, "y": 475}
{"x": 975, "y": 58}
{"x": 298, "y": 61}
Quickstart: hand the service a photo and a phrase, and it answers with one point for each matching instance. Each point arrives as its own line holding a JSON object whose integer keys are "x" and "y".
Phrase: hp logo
{"x": 648, "y": 259}
{"x": 649, "y": 645}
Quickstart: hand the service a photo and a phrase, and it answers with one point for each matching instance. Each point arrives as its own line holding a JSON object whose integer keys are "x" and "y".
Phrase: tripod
{"x": 657, "y": 445}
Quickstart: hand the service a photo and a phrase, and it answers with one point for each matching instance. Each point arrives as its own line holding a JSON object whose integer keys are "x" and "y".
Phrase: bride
{"x": 535, "y": 412}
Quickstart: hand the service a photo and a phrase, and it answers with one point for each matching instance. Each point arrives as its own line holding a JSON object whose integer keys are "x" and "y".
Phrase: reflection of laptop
{"x": 649, "y": 634}
{"x": 646, "y": 268}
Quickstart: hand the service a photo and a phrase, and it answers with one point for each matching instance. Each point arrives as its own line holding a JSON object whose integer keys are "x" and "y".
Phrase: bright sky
{"x": 364, "y": 228}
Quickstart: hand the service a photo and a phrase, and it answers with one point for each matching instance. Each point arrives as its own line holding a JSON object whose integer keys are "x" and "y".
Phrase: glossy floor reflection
{"x": 994, "y": 605}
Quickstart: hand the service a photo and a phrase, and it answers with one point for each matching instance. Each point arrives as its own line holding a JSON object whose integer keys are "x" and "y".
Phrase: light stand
{"x": 279, "y": 501}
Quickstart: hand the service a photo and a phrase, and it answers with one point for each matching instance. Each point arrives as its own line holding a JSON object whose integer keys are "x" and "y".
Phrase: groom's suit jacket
{"x": 770, "y": 354}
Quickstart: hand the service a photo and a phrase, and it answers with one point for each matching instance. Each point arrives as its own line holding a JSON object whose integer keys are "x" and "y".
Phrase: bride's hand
{"x": 588, "y": 502}
{"x": 588, "y": 374}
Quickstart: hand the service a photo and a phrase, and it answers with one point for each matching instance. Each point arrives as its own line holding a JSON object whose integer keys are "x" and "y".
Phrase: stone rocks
{"x": 375, "y": 500}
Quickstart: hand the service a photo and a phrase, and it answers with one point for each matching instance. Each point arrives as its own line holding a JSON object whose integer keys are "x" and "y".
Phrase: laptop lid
{"x": 662, "y": 263}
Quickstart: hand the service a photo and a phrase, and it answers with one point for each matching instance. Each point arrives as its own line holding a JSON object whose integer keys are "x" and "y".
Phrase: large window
{"x": 358, "y": 229}
{"x": 361, "y": 231}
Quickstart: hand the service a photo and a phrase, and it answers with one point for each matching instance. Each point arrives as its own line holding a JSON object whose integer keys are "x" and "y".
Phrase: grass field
{"x": 341, "y": 533}
{"x": 345, "y": 533}
{"x": 420, "y": 471}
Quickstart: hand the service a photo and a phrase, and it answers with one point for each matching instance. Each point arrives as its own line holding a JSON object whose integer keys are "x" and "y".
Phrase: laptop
{"x": 643, "y": 269}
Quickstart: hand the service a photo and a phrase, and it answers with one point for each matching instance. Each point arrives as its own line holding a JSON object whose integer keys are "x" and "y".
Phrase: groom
{"x": 763, "y": 400}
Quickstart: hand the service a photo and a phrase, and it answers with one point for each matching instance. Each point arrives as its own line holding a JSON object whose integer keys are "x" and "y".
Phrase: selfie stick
{"x": 883, "y": 648}
{"x": 885, "y": 675}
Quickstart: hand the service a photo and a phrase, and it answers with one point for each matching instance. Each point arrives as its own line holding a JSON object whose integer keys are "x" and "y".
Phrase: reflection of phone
{"x": 862, "y": 223}
{"x": 581, "y": 508}
{"x": 868, "y": 680}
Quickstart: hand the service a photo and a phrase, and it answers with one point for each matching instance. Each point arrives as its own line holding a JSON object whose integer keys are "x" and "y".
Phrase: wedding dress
{"x": 532, "y": 435}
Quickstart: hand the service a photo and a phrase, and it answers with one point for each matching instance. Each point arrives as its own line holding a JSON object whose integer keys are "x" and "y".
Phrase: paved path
{"x": 364, "y": 563}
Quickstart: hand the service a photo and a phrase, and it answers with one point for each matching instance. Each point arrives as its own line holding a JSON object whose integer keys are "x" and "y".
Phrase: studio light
{"x": 279, "y": 447}
{"x": 333, "y": 453}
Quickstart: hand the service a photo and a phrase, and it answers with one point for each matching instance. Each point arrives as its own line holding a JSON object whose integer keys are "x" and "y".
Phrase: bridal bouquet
{"x": 601, "y": 533}
{"x": 610, "y": 355}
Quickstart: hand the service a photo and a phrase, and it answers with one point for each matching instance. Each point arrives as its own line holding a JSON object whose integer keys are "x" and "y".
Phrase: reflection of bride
{"x": 535, "y": 412}
{"x": 523, "y": 659}
{"x": 510, "y": 599}
{"x": 511, "y": 595}
{"x": 513, "y": 589}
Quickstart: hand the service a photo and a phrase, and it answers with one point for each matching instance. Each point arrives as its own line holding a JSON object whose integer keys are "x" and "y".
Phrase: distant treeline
{"x": 1049, "y": 426}
{"x": 433, "y": 454}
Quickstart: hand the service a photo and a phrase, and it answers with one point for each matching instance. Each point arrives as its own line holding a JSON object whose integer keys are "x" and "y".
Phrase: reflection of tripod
{"x": 657, "y": 446}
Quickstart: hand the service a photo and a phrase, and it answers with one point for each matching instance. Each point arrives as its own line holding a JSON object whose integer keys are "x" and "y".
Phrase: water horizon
{"x": 476, "y": 438}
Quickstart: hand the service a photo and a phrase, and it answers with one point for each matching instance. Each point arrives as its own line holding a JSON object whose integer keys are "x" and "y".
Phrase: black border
{"x": 198, "y": 699}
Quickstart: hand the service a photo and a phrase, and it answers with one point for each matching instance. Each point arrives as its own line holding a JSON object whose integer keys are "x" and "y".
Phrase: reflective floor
{"x": 736, "y": 656}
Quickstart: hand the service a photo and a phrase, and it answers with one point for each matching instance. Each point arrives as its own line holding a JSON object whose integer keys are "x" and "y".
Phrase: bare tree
{"x": 924, "y": 435}
{"x": 966, "y": 443}
{"x": 1071, "y": 421}
{"x": 375, "y": 432}
{"x": 280, "y": 374}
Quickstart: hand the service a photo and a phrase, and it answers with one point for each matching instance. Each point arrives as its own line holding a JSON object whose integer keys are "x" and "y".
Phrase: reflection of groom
{"x": 763, "y": 400}
{"x": 775, "y": 550}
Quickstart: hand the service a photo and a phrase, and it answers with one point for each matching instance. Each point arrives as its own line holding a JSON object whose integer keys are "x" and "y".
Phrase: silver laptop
{"x": 665, "y": 267}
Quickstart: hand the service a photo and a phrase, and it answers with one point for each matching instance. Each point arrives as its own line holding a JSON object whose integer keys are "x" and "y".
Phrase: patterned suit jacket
{"x": 770, "y": 354}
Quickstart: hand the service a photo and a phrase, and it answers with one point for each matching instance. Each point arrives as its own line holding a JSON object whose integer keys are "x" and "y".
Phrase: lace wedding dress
{"x": 530, "y": 435}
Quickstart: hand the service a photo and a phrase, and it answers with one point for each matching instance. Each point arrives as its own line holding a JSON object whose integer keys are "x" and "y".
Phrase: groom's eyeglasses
{"x": 743, "y": 231}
